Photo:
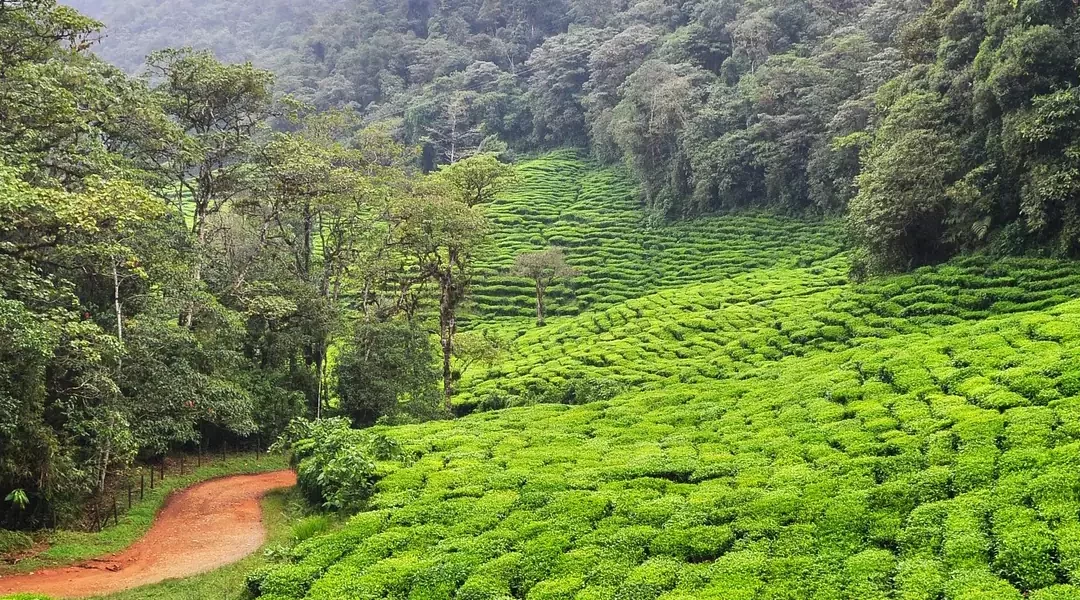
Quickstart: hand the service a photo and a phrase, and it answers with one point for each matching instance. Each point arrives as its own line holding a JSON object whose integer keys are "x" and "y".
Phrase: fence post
{"x": 129, "y": 495}
{"x": 142, "y": 484}
{"x": 199, "y": 464}
{"x": 151, "y": 476}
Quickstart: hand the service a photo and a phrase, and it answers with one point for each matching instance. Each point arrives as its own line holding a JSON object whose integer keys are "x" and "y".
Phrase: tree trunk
{"x": 539, "y": 305}
{"x": 447, "y": 328}
{"x": 104, "y": 467}
{"x": 196, "y": 271}
{"x": 116, "y": 302}
{"x": 320, "y": 375}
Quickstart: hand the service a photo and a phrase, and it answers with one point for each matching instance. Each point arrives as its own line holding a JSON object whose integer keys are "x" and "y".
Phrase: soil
{"x": 206, "y": 526}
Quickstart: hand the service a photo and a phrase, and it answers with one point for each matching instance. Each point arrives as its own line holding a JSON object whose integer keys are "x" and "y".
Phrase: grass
{"x": 724, "y": 415}
{"x": 65, "y": 547}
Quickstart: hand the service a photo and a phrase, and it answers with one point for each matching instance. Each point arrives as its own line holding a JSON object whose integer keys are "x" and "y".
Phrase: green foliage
{"x": 387, "y": 371}
{"x": 334, "y": 463}
{"x": 943, "y": 124}
{"x": 477, "y": 179}
{"x": 776, "y": 431}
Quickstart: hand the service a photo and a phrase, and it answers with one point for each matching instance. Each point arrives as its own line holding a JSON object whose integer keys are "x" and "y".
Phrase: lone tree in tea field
{"x": 543, "y": 268}
{"x": 478, "y": 179}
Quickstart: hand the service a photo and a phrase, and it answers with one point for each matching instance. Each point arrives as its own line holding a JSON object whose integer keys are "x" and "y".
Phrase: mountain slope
{"x": 776, "y": 433}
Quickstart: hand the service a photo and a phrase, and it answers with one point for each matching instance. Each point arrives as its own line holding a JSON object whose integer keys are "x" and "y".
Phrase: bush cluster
{"x": 937, "y": 462}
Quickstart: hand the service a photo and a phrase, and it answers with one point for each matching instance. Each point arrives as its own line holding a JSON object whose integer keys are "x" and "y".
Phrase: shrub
{"x": 334, "y": 463}
{"x": 1024, "y": 547}
{"x": 14, "y": 541}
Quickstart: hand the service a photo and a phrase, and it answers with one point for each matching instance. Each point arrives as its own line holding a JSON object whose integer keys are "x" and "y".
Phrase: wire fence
{"x": 127, "y": 489}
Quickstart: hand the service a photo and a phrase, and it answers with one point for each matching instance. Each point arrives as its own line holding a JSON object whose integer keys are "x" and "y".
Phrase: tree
{"x": 440, "y": 235}
{"x": 479, "y": 347}
{"x": 609, "y": 67}
{"x": 905, "y": 188}
{"x": 543, "y": 268}
{"x": 217, "y": 110}
{"x": 658, "y": 103}
{"x": 559, "y": 69}
{"x": 386, "y": 370}
{"x": 478, "y": 179}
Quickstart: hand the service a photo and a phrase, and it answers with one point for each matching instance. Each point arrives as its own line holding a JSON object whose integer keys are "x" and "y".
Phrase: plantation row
{"x": 939, "y": 464}
{"x": 694, "y": 333}
{"x": 595, "y": 216}
{"x": 713, "y": 331}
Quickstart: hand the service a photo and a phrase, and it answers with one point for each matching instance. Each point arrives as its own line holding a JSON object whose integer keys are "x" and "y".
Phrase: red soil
{"x": 206, "y": 526}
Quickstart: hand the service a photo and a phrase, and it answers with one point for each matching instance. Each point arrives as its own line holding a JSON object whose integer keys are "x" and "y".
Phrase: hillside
{"x": 938, "y": 126}
{"x": 776, "y": 432}
{"x": 593, "y": 212}
{"x": 813, "y": 335}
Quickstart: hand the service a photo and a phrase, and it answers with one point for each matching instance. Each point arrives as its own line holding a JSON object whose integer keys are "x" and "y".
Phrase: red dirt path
{"x": 206, "y": 526}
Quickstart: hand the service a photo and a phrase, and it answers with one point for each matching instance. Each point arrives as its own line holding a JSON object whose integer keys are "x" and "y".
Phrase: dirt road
{"x": 206, "y": 526}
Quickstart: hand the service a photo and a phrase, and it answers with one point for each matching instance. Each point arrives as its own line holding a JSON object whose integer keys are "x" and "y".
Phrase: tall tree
{"x": 441, "y": 236}
{"x": 477, "y": 179}
{"x": 218, "y": 109}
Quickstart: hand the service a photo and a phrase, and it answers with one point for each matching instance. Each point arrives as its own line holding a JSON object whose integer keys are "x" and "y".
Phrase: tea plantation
{"x": 725, "y": 417}
{"x": 594, "y": 215}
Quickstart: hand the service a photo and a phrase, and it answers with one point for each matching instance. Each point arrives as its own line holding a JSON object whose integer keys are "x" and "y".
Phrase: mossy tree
{"x": 441, "y": 235}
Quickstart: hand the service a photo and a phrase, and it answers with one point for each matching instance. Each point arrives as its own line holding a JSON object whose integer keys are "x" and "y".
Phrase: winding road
{"x": 209, "y": 525}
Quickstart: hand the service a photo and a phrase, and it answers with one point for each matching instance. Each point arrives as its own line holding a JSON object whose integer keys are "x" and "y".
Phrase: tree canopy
{"x": 712, "y": 104}
{"x": 182, "y": 252}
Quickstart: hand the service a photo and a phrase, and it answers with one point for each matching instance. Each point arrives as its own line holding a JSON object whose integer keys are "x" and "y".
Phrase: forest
{"x": 937, "y": 127}
{"x": 554, "y": 299}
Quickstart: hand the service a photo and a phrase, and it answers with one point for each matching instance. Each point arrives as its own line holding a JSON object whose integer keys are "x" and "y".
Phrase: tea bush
{"x": 878, "y": 467}
{"x": 593, "y": 213}
{"x": 729, "y": 418}
{"x": 704, "y": 299}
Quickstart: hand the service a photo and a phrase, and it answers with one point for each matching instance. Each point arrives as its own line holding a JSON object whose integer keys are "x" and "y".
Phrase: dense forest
{"x": 939, "y": 127}
{"x": 176, "y": 271}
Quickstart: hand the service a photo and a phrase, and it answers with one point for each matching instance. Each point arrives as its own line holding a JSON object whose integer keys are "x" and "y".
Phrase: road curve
{"x": 201, "y": 528}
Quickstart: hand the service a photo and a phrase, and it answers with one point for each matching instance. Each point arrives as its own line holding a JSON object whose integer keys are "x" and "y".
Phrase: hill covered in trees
{"x": 938, "y": 127}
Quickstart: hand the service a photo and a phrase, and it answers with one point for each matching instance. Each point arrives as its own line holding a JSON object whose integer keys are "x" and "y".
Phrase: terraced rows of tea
{"x": 593, "y": 214}
{"x": 943, "y": 463}
{"x": 768, "y": 430}
{"x": 704, "y": 332}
